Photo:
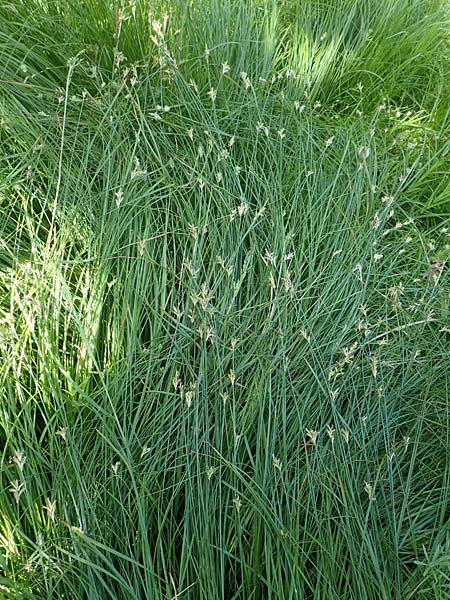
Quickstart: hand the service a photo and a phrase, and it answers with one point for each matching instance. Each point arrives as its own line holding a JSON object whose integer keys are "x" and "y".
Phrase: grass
{"x": 224, "y": 300}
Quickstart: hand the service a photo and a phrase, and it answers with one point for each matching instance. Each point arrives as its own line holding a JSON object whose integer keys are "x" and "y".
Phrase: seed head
{"x": 313, "y": 435}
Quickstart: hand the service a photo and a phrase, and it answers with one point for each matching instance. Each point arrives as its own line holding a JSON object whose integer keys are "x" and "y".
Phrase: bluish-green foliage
{"x": 224, "y": 300}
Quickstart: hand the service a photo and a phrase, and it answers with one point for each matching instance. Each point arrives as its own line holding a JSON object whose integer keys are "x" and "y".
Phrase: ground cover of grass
{"x": 224, "y": 300}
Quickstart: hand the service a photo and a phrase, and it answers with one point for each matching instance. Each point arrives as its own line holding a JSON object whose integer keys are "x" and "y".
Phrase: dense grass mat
{"x": 224, "y": 300}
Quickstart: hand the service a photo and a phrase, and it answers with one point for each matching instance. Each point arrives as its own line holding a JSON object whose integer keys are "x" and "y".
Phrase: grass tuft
{"x": 224, "y": 300}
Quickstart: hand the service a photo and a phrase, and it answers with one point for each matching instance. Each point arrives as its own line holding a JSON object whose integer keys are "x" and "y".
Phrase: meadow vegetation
{"x": 224, "y": 300}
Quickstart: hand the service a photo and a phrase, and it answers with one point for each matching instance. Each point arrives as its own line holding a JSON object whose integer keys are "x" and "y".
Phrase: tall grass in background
{"x": 224, "y": 300}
